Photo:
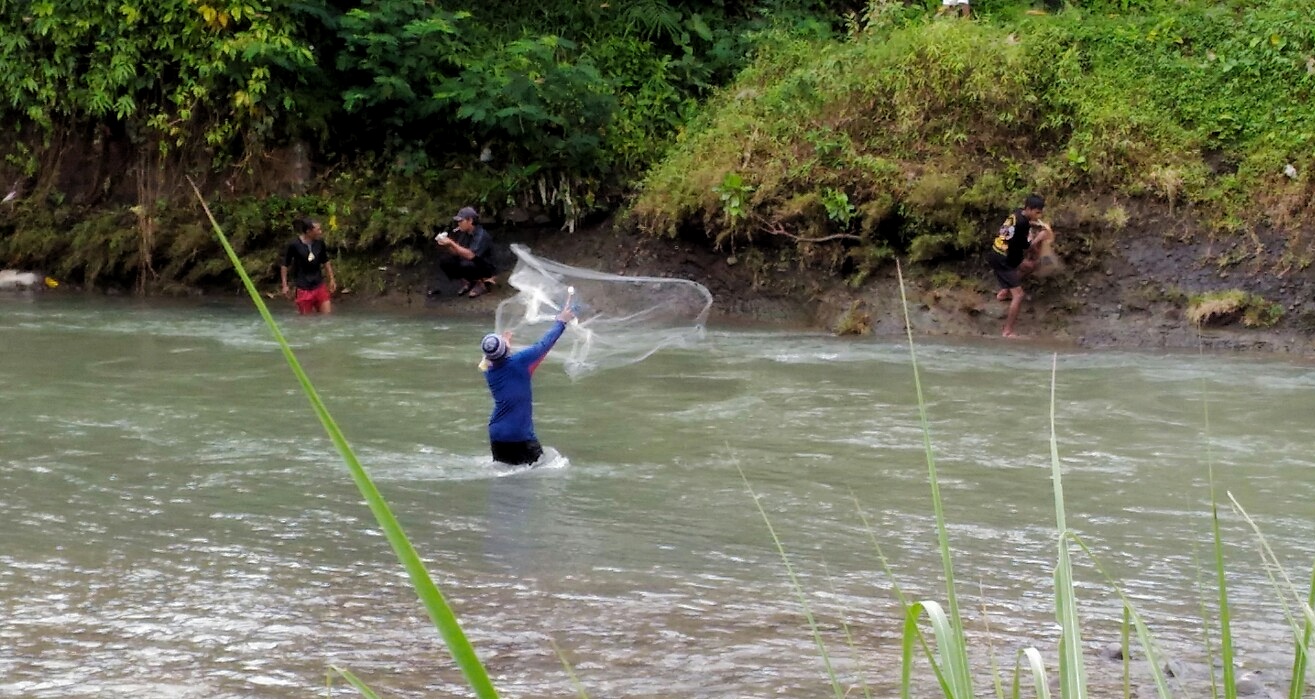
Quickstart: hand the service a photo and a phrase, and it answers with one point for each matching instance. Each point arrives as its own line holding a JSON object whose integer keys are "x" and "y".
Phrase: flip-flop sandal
{"x": 464, "y": 288}
{"x": 479, "y": 290}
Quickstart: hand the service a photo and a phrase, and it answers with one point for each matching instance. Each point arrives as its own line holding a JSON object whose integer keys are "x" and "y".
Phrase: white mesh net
{"x": 619, "y": 320}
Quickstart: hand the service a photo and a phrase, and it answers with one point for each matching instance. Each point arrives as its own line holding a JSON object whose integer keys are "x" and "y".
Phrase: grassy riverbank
{"x": 1172, "y": 139}
{"x": 912, "y": 135}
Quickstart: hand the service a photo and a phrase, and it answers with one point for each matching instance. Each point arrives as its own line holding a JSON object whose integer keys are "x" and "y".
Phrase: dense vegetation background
{"x": 836, "y": 132}
{"x": 1185, "y": 118}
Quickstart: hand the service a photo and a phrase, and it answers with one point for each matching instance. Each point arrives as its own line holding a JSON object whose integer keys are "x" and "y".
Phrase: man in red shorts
{"x": 308, "y": 258}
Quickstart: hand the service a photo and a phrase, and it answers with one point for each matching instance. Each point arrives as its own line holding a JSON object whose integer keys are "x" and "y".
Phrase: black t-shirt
{"x": 1012, "y": 239}
{"x": 477, "y": 241}
{"x": 305, "y": 263}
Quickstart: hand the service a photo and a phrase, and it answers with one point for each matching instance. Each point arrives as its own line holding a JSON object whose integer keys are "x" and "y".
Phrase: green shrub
{"x": 1191, "y": 103}
{"x": 856, "y": 320}
{"x": 929, "y": 247}
{"x": 734, "y": 194}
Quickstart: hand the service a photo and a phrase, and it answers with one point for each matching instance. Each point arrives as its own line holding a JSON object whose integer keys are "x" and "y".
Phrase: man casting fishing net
{"x": 622, "y": 320}
{"x": 511, "y": 426}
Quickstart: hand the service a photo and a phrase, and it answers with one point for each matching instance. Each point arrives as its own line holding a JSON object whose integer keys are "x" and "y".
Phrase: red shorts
{"x": 311, "y": 300}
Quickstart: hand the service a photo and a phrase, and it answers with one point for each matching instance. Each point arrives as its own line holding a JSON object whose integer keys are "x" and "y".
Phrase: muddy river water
{"x": 174, "y": 523}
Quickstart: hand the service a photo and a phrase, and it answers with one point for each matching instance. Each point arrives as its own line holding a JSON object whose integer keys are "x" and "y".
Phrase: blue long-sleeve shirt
{"x": 509, "y": 382}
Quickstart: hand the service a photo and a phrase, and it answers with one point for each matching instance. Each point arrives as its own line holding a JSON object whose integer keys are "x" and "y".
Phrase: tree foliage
{"x": 588, "y": 90}
{"x": 165, "y": 70}
{"x": 409, "y": 103}
{"x": 561, "y": 105}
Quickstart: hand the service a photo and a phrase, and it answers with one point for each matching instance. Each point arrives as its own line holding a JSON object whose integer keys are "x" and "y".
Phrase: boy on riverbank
{"x": 1012, "y": 255}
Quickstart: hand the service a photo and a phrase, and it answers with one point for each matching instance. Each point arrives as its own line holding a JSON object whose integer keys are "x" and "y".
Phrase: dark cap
{"x": 466, "y": 212}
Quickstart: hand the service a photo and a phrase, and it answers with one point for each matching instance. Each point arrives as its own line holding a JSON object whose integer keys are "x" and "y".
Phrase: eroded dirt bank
{"x": 1132, "y": 293}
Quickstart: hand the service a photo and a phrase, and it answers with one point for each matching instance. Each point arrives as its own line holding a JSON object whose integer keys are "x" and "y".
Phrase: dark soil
{"x": 1128, "y": 290}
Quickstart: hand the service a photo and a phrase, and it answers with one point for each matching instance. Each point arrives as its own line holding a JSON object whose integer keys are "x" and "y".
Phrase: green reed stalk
{"x": 1138, "y": 623}
{"x": 1298, "y": 685}
{"x": 1038, "y": 666}
{"x": 1302, "y": 638}
{"x": 1072, "y": 671}
{"x": 952, "y": 670}
{"x": 1143, "y": 633}
{"x": 950, "y": 640}
{"x": 1124, "y": 628}
{"x": 798, "y": 589}
{"x": 1225, "y": 616}
{"x": 1205, "y": 628}
{"x": 849, "y": 632}
{"x": 905, "y": 604}
{"x": 1221, "y": 580}
{"x": 570, "y": 671}
{"x": 354, "y": 681}
{"x": 439, "y": 611}
{"x": 990, "y": 645}
{"x": 881, "y": 555}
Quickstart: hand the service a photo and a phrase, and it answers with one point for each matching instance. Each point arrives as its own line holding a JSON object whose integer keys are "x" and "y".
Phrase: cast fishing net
{"x": 619, "y": 320}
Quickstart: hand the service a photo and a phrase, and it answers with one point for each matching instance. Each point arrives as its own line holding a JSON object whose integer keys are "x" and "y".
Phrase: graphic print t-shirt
{"x": 1011, "y": 240}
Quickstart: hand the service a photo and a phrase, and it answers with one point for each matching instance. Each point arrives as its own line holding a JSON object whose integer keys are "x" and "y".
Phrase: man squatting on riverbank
{"x": 308, "y": 258}
{"x": 469, "y": 254}
{"x": 1013, "y": 254}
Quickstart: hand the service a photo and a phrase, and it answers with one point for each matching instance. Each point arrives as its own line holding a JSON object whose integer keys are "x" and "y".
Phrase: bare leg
{"x": 1026, "y": 268}
{"x": 326, "y": 307}
{"x": 1015, "y": 305}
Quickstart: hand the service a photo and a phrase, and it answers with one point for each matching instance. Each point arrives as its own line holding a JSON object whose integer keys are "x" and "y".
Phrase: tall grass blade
{"x": 1221, "y": 580}
{"x": 1286, "y": 591}
{"x": 881, "y": 555}
{"x": 1127, "y": 653}
{"x": 439, "y": 611}
{"x": 960, "y": 660}
{"x": 1072, "y": 671}
{"x": 1225, "y": 617}
{"x": 1297, "y": 689}
{"x": 1271, "y": 564}
{"x": 952, "y": 670}
{"x": 355, "y": 682}
{"x": 894, "y": 583}
{"x": 570, "y": 671}
{"x": 990, "y": 645}
{"x": 1143, "y": 633}
{"x": 849, "y": 633}
{"x": 1206, "y": 640}
{"x": 798, "y": 589}
{"x": 1038, "y": 667}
